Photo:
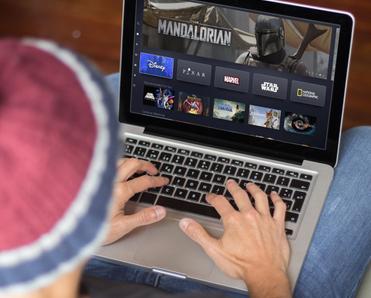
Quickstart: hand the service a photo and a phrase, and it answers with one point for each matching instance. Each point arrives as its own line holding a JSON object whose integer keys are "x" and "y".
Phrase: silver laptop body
{"x": 163, "y": 247}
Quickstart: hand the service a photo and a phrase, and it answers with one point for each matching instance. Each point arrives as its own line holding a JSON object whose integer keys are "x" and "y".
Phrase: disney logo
{"x": 155, "y": 65}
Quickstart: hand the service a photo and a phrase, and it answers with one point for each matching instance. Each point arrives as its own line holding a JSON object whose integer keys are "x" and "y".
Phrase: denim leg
{"x": 120, "y": 272}
{"x": 341, "y": 245}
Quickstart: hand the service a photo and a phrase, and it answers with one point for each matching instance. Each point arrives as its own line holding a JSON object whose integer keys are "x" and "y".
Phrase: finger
{"x": 143, "y": 217}
{"x": 261, "y": 199}
{"x": 239, "y": 195}
{"x": 132, "y": 166}
{"x": 198, "y": 234}
{"x": 279, "y": 208}
{"x": 221, "y": 205}
{"x": 143, "y": 183}
{"x": 120, "y": 162}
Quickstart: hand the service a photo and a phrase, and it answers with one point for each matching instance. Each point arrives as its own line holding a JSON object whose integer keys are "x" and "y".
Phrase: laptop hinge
{"x": 176, "y": 275}
{"x": 221, "y": 144}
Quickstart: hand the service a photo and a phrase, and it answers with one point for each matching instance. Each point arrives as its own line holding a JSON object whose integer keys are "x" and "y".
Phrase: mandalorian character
{"x": 270, "y": 47}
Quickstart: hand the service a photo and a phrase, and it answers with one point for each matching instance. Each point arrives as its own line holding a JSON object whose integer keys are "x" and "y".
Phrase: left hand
{"x": 121, "y": 223}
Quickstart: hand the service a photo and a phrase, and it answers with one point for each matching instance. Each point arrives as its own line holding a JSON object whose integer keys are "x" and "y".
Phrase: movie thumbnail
{"x": 301, "y": 124}
{"x": 159, "y": 66}
{"x": 229, "y": 110}
{"x": 159, "y": 97}
{"x": 264, "y": 117}
{"x": 193, "y": 104}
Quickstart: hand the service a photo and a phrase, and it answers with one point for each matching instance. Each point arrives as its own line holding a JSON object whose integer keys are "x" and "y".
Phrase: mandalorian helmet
{"x": 270, "y": 35}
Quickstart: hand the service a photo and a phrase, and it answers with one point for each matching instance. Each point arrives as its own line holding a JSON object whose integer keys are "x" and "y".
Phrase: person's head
{"x": 270, "y": 35}
{"x": 58, "y": 150}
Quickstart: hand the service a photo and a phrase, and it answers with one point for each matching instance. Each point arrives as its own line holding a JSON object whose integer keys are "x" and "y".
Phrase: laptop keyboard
{"x": 193, "y": 174}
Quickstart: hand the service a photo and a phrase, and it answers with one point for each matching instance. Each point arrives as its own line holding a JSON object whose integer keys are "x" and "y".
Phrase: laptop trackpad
{"x": 165, "y": 246}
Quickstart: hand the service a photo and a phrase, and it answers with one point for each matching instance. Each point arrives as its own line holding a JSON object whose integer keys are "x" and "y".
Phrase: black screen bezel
{"x": 234, "y": 141}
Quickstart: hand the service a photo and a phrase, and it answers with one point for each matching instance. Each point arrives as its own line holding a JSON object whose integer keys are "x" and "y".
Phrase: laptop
{"x": 217, "y": 90}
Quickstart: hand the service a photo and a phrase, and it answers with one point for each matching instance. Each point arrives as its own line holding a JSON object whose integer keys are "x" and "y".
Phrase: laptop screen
{"x": 241, "y": 71}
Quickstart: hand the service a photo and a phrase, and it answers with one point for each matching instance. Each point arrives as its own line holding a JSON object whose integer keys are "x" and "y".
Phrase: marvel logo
{"x": 232, "y": 80}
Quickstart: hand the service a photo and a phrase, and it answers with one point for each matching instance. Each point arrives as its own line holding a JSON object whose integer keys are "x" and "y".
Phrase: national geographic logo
{"x": 306, "y": 94}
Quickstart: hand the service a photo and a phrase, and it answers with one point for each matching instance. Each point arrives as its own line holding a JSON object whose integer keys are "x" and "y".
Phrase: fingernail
{"x": 184, "y": 223}
{"x": 274, "y": 193}
{"x": 160, "y": 212}
{"x": 230, "y": 181}
{"x": 250, "y": 183}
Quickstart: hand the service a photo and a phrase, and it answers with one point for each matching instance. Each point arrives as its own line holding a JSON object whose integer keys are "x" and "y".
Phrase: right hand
{"x": 254, "y": 246}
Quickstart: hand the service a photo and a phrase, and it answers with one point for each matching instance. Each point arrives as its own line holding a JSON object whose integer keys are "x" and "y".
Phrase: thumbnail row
{"x": 162, "y": 97}
{"x": 232, "y": 79}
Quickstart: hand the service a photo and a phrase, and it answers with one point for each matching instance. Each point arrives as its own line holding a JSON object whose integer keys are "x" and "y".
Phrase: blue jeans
{"x": 341, "y": 247}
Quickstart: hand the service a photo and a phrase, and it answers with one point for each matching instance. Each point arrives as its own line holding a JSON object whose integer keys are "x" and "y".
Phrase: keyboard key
{"x": 256, "y": 176}
{"x": 261, "y": 185}
{"x": 148, "y": 198}
{"x": 278, "y": 171}
{"x": 271, "y": 188}
{"x": 243, "y": 184}
{"x": 155, "y": 190}
{"x": 216, "y": 167}
{"x": 288, "y": 204}
{"x": 191, "y": 162}
{"x": 165, "y": 156}
{"x": 167, "y": 168}
{"x": 170, "y": 149}
{"x": 291, "y": 217}
{"x": 206, "y": 176}
{"x": 157, "y": 164}
{"x": 183, "y": 151}
{"x": 168, "y": 190}
{"x": 131, "y": 141}
{"x": 196, "y": 154}
{"x": 303, "y": 185}
{"x": 129, "y": 149}
{"x": 178, "y": 181}
{"x": 188, "y": 206}
{"x": 224, "y": 159}
{"x": 191, "y": 184}
{"x": 298, "y": 195}
{"x": 181, "y": 193}
{"x": 144, "y": 143}
{"x": 210, "y": 157}
{"x": 237, "y": 163}
{"x": 292, "y": 174}
{"x": 250, "y": 165}
{"x": 157, "y": 146}
{"x": 219, "y": 179}
{"x": 194, "y": 196}
{"x": 180, "y": 171}
{"x": 306, "y": 177}
{"x": 298, "y": 205}
{"x": 230, "y": 170}
{"x": 218, "y": 190}
{"x": 289, "y": 232}
{"x": 205, "y": 187}
{"x": 285, "y": 193}
{"x": 264, "y": 168}
{"x": 283, "y": 181}
{"x": 152, "y": 154}
{"x": 135, "y": 197}
{"x": 204, "y": 164}
{"x": 244, "y": 173}
{"x": 179, "y": 159}
{"x": 270, "y": 178}
{"x": 139, "y": 151}
{"x": 192, "y": 173}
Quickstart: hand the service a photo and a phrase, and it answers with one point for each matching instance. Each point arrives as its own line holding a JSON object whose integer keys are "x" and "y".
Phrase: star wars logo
{"x": 232, "y": 80}
{"x": 270, "y": 87}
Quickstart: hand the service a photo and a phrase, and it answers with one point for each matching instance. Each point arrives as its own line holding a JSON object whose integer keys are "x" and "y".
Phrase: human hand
{"x": 121, "y": 223}
{"x": 254, "y": 246}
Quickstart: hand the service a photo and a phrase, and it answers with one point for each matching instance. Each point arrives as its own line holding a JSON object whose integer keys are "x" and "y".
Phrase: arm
{"x": 254, "y": 246}
{"x": 121, "y": 223}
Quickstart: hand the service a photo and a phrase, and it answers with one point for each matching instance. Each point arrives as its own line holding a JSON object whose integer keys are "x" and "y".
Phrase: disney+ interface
{"x": 234, "y": 70}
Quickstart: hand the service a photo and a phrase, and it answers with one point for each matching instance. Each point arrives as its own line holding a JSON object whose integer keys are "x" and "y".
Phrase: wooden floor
{"x": 92, "y": 27}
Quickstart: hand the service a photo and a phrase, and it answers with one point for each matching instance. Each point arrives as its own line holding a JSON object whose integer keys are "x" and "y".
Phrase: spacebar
{"x": 187, "y": 207}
